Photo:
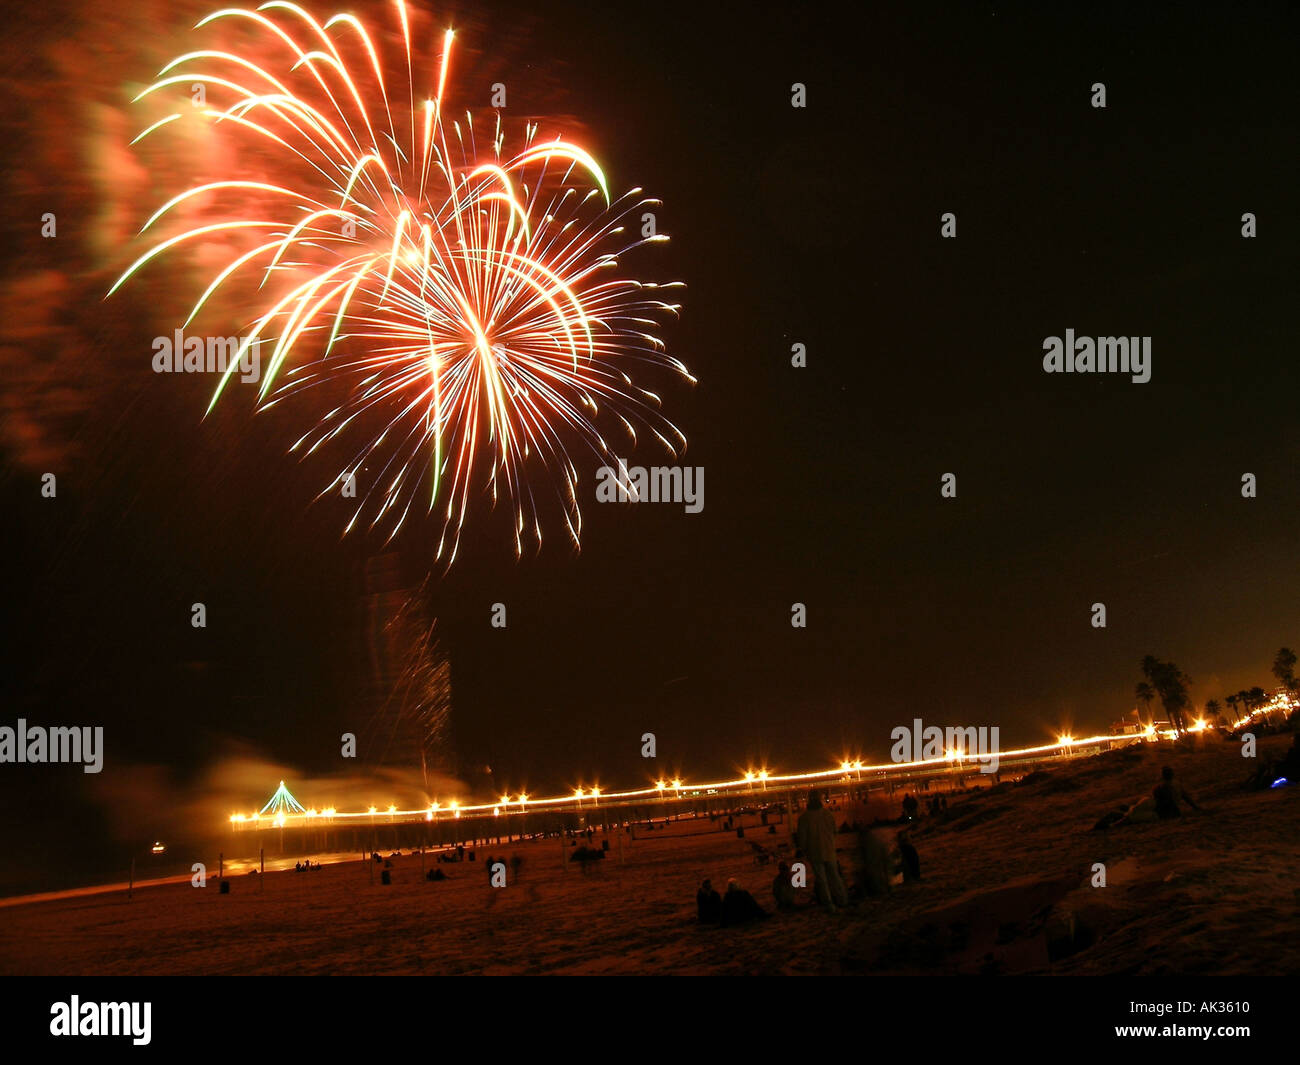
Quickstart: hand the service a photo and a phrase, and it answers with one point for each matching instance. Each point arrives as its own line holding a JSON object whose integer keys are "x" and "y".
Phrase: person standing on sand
{"x": 815, "y": 835}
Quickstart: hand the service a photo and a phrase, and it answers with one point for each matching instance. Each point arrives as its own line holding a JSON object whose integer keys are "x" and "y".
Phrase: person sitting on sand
{"x": 1167, "y": 795}
{"x": 911, "y": 860}
{"x": 875, "y": 864}
{"x": 1289, "y": 765}
{"x": 783, "y": 888}
{"x": 739, "y": 906}
{"x": 1143, "y": 812}
{"x": 1286, "y": 768}
{"x": 709, "y": 904}
{"x": 1112, "y": 817}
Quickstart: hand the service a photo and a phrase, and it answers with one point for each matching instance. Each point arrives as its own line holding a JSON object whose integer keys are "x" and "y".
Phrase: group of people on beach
{"x": 936, "y": 805}
{"x": 516, "y": 866}
{"x": 815, "y": 835}
{"x": 737, "y": 906}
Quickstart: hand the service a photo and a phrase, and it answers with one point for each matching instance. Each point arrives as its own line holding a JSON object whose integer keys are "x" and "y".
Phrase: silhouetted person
{"x": 739, "y": 906}
{"x": 709, "y": 904}
{"x": 910, "y": 806}
{"x": 816, "y": 838}
{"x": 875, "y": 861}
{"x": 783, "y": 889}
{"x": 1288, "y": 767}
{"x": 911, "y": 860}
{"x": 1167, "y": 795}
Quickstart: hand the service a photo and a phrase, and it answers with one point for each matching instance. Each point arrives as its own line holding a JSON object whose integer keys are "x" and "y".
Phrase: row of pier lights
{"x": 516, "y": 817}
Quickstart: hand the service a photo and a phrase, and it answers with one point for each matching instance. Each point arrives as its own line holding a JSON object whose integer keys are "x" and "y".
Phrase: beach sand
{"x": 1006, "y": 888}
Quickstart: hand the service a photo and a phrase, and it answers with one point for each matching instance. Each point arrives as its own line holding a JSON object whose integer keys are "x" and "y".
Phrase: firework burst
{"x": 455, "y": 309}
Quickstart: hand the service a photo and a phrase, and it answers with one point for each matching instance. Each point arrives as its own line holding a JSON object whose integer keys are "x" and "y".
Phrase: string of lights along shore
{"x": 282, "y": 809}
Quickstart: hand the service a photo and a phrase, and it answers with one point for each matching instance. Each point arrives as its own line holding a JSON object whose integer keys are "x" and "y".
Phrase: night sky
{"x": 818, "y": 226}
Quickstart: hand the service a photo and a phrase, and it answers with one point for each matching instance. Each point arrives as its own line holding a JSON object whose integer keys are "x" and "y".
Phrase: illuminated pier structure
{"x": 447, "y": 823}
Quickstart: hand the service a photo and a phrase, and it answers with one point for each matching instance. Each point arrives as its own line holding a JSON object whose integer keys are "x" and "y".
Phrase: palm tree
{"x": 1243, "y": 697}
{"x": 1251, "y": 699}
{"x": 1284, "y": 668}
{"x": 1232, "y": 701}
{"x": 1170, "y": 683}
{"x": 1213, "y": 713}
{"x": 1145, "y": 694}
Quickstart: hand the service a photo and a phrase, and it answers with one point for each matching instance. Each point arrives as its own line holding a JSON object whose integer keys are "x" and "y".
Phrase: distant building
{"x": 1129, "y": 725}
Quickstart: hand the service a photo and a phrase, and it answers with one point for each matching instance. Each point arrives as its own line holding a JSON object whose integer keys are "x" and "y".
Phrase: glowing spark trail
{"x": 459, "y": 313}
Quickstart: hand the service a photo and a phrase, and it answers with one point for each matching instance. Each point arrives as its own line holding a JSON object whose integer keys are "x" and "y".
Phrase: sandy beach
{"x": 1006, "y": 871}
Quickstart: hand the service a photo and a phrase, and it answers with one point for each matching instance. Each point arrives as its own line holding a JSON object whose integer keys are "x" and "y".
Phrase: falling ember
{"x": 465, "y": 301}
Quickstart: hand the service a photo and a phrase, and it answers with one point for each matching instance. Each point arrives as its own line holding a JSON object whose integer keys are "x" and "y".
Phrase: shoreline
{"x": 1008, "y": 886}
